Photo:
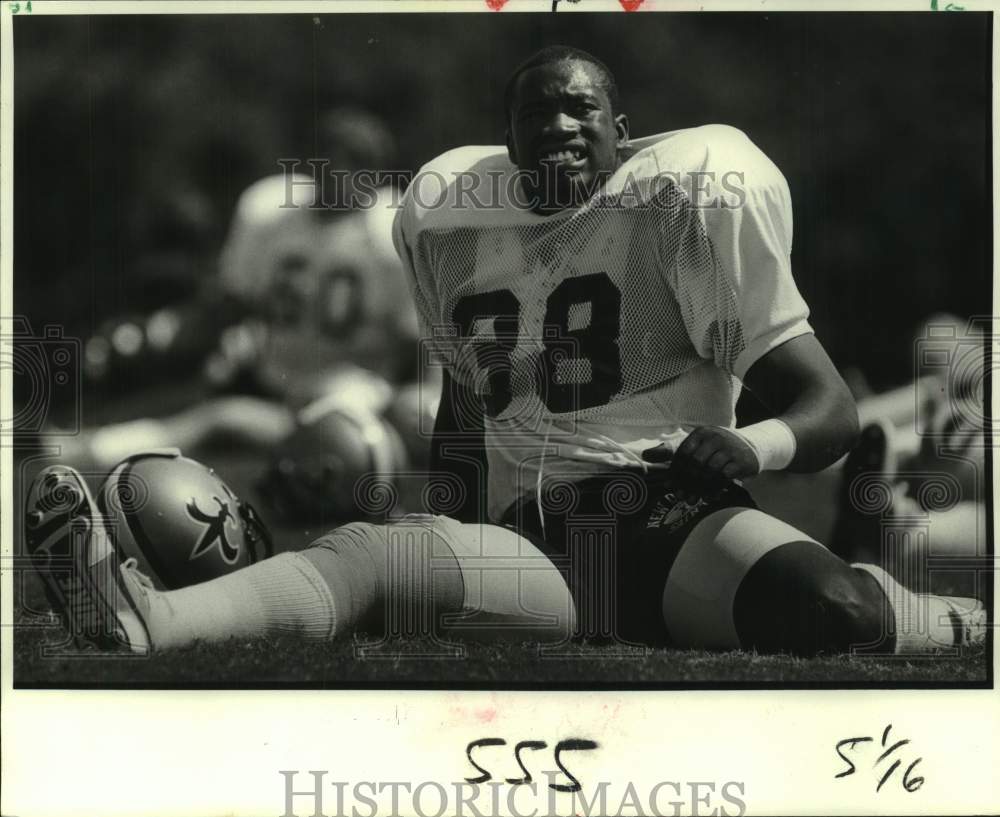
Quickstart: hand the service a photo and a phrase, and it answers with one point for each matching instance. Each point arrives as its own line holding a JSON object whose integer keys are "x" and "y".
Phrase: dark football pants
{"x": 616, "y": 537}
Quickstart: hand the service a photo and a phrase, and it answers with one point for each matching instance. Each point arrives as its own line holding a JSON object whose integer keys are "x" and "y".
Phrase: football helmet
{"x": 340, "y": 464}
{"x": 179, "y": 520}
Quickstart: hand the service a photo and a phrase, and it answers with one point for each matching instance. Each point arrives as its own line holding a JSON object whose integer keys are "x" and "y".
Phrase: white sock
{"x": 284, "y": 594}
{"x": 922, "y": 622}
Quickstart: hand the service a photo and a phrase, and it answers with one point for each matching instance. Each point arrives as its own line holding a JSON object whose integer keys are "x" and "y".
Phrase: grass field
{"x": 806, "y": 502}
{"x": 41, "y": 659}
{"x": 271, "y": 662}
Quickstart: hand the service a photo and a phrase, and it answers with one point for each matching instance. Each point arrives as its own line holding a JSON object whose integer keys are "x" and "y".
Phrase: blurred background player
{"x": 313, "y": 306}
{"x": 314, "y": 258}
{"x": 912, "y": 494}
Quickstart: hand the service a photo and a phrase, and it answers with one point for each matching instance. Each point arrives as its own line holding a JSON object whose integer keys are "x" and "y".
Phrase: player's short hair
{"x": 555, "y": 54}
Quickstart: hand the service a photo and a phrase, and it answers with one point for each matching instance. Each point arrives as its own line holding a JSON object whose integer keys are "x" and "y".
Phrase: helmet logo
{"x": 215, "y": 531}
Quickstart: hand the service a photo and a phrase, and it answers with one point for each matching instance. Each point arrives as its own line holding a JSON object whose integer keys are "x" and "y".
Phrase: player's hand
{"x": 710, "y": 454}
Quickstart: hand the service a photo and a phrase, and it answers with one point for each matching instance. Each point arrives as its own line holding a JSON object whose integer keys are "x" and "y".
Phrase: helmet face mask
{"x": 179, "y": 520}
{"x": 255, "y": 532}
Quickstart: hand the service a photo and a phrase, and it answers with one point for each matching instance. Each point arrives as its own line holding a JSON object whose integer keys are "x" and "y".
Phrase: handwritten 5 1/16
{"x": 850, "y": 745}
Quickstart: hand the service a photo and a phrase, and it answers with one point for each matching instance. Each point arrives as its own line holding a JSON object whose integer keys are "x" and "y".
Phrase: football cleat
{"x": 969, "y": 619}
{"x": 74, "y": 555}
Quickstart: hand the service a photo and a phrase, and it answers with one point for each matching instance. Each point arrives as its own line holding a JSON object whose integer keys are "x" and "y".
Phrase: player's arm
{"x": 458, "y": 451}
{"x": 814, "y": 422}
{"x": 761, "y": 335}
{"x": 799, "y": 384}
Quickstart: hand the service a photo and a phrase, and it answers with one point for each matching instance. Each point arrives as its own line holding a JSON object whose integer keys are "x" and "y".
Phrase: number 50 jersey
{"x": 600, "y": 331}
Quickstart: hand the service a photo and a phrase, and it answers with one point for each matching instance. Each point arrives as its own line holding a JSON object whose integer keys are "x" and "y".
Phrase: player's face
{"x": 563, "y": 133}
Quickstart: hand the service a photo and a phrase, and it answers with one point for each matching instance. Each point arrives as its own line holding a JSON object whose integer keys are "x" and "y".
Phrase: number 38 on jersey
{"x": 574, "y": 363}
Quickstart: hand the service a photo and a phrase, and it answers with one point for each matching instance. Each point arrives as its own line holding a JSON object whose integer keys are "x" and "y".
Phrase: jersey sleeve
{"x": 732, "y": 269}
{"x": 422, "y": 286}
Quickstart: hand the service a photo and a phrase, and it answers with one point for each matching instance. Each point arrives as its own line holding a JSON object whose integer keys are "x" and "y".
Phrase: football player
{"x": 608, "y": 313}
{"x": 596, "y": 318}
{"x": 315, "y": 257}
{"x": 313, "y": 262}
{"x": 923, "y": 474}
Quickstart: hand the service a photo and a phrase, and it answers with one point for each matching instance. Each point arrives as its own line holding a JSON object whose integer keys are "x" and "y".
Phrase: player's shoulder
{"x": 474, "y": 158}
{"x": 458, "y": 176}
{"x": 271, "y": 198}
{"x": 714, "y": 151}
{"x": 374, "y": 223}
{"x": 712, "y": 134}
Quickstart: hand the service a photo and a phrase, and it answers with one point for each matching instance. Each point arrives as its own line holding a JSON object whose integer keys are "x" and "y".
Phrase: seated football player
{"x": 604, "y": 312}
{"x": 314, "y": 264}
{"x": 596, "y": 322}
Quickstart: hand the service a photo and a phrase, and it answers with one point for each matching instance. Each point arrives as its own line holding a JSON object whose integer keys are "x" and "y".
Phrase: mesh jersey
{"x": 333, "y": 285}
{"x": 598, "y": 332}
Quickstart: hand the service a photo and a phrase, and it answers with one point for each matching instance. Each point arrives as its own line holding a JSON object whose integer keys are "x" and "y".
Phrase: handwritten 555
{"x": 570, "y": 744}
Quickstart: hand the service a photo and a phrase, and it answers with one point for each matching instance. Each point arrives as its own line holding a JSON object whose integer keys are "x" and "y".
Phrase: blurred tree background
{"x": 134, "y": 136}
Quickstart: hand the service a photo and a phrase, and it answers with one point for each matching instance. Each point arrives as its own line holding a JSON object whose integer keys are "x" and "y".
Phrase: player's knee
{"x": 800, "y": 598}
{"x": 481, "y": 582}
{"x": 354, "y": 535}
{"x": 732, "y": 584}
{"x": 841, "y": 613}
{"x": 403, "y": 557}
{"x": 512, "y": 592}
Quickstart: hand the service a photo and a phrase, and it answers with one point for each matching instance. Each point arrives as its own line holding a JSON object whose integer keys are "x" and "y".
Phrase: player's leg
{"x": 898, "y": 521}
{"x": 899, "y": 406}
{"x": 346, "y": 579}
{"x": 937, "y": 551}
{"x": 475, "y": 581}
{"x": 248, "y": 421}
{"x": 744, "y": 579}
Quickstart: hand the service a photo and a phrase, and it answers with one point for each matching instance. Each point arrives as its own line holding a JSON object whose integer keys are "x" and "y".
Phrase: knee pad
{"x": 485, "y": 581}
{"x": 701, "y": 587}
{"x": 512, "y": 591}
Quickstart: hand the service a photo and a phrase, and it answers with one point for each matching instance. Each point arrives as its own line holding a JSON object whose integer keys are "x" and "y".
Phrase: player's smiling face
{"x": 563, "y": 132}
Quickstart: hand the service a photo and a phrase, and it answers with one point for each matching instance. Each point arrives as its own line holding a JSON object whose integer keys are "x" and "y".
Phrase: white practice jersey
{"x": 601, "y": 331}
{"x": 331, "y": 281}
